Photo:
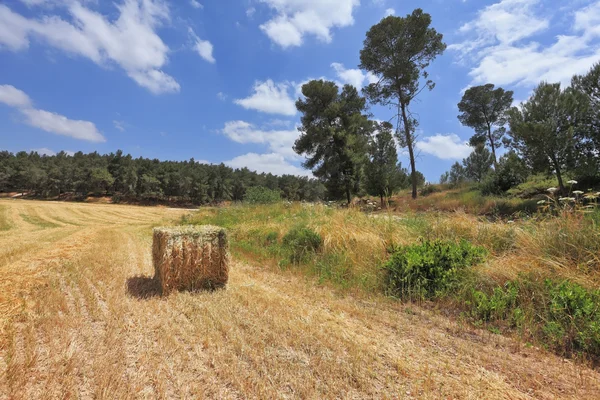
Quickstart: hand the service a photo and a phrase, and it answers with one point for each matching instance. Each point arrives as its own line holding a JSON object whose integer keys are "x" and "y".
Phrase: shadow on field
{"x": 143, "y": 287}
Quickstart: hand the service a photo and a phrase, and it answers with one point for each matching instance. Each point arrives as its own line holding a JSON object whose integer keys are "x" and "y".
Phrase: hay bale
{"x": 190, "y": 257}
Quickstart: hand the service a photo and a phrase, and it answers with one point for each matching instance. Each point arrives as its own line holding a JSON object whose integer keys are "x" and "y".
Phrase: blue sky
{"x": 217, "y": 80}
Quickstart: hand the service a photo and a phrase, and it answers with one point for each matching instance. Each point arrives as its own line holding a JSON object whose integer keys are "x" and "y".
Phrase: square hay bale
{"x": 190, "y": 257}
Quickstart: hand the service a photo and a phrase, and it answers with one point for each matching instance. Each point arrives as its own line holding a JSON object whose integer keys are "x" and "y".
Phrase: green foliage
{"x": 384, "y": 175}
{"x": 429, "y": 189}
{"x": 271, "y": 238}
{"x": 510, "y": 172}
{"x": 484, "y": 108}
{"x": 261, "y": 195}
{"x": 562, "y": 314}
{"x": 498, "y": 305}
{"x": 534, "y": 185}
{"x": 142, "y": 179}
{"x": 333, "y": 135}
{"x": 397, "y": 51}
{"x": 573, "y": 317}
{"x": 543, "y": 129}
{"x": 302, "y": 242}
{"x": 429, "y": 269}
{"x": 478, "y": 164}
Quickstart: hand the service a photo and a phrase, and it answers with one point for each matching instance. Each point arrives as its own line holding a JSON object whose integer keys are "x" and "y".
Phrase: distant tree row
{"x": 142, "y": 179}
{"x": 556, "y": 131}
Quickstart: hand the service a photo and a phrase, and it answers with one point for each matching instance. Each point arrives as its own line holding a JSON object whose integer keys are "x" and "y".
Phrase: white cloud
{"x": 390, "y": 11}
{"x": 203, "y": 47}
{"x": 446, "y": 147}
{"x": 221, "y": 96}
{"x": 270, "y": 98}
{"x": 14, "y": 97}
{"x": 250, "y": 12}
{"x": 130, "y": 41}
{"x": 296, "y": 18}
{"x": 120, "y": 125}
{"x": 500, "y": 43}
{"x": 61, "y": 125}
{"x": 279, "y": 141}
{"x": 44, "y": 151}
{"x": 196, "y": 4}
{"x": 354, "y": 77}
{"x": 46, "y": 120}
{"x": 269, "y": 163}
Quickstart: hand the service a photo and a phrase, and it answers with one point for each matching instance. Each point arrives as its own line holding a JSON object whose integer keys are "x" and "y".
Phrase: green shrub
{"x": 535, "y": 185}
{"x": 261, "y": 195}
{"x": 497, "y": 306}
{"x": 271, "y": 238}
{"x": 302, "y": 242}
{"x": 573, "y": 317}
{"x": 429, "y": 269}
{"x": 429, "y": 189}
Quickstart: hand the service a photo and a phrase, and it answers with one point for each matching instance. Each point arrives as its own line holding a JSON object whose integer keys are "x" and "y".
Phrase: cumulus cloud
{"x": 389, "y": 11}
{"x": 500, "y": 44}
{"x": 446, "y": 147}
{"x": 130, "y": 41}
{"x": 46, "y": 120}
{"x": 61, "y": 125}
{"x": 278, "y": 141}
{"x": 296, "y": 18}
{"x": 13, "y": 97}
{"x": 269, "y": 163}
{"x": 354, "y": 77}
{"x": 204, "y": 48}
{"x": 270, "y": 98}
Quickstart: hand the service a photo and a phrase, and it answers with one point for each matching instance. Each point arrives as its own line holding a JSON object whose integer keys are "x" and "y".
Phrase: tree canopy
{"x": 485, "y": 109}
{"x": 542, "y": 130}
{"x": 333, "y": 135}
{"x": 383, "y": 174}
{"x": 397, "y": 51}
{"x": 142, "y": 179}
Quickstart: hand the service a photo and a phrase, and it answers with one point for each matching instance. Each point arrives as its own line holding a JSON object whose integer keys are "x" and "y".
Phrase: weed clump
{"x": 261, "y": 195}
{"x": 429, "y": 269}
{"x": 301, "y": 242}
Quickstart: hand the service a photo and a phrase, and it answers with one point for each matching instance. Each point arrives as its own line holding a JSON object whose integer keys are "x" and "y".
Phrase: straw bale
{"x": 190, "y": 257}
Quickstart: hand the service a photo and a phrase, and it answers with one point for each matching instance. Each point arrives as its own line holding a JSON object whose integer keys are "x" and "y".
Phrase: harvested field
{"x": 80, "y": 317}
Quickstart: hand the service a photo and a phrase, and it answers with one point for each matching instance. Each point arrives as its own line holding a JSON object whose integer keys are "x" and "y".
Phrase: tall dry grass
{"x": 357, "y": 243}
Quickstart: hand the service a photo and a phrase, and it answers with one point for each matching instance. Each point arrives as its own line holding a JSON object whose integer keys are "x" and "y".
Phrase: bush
{"x": 271, "y": 238}
{"x": 429, "y": 189}
{"x": 499, "y": 305}
{"x": 261, "y": 195}
{"x": 573, "y": 317}
{"x": 301, "y": 242}
{"x": 429, "y": 269}
{"x": 535, "y": 185}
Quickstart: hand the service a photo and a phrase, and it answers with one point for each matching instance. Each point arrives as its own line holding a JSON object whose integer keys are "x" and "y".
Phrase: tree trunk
{"x": 411, "y": 152}
{"x": 493, "y": 146}
{"x": 561, "y": 184}
{"x": 382, "y": 203}
{"x": 348, "y": 195}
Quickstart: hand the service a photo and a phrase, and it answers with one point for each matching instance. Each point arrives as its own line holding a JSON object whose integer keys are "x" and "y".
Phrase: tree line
{"x": 143, "y": 179}
{"x": 555, "y": 132}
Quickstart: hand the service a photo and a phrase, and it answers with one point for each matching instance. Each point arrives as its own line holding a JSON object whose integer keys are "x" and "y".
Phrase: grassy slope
{"x": 355, "y": 247}
{"x": 79, "y": 318}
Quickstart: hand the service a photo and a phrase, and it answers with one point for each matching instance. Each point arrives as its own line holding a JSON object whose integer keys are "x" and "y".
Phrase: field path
{"x": 81, "y": 318}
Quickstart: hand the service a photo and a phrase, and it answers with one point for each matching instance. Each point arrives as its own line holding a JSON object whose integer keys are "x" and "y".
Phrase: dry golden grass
{"x": 81, "y": 319}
